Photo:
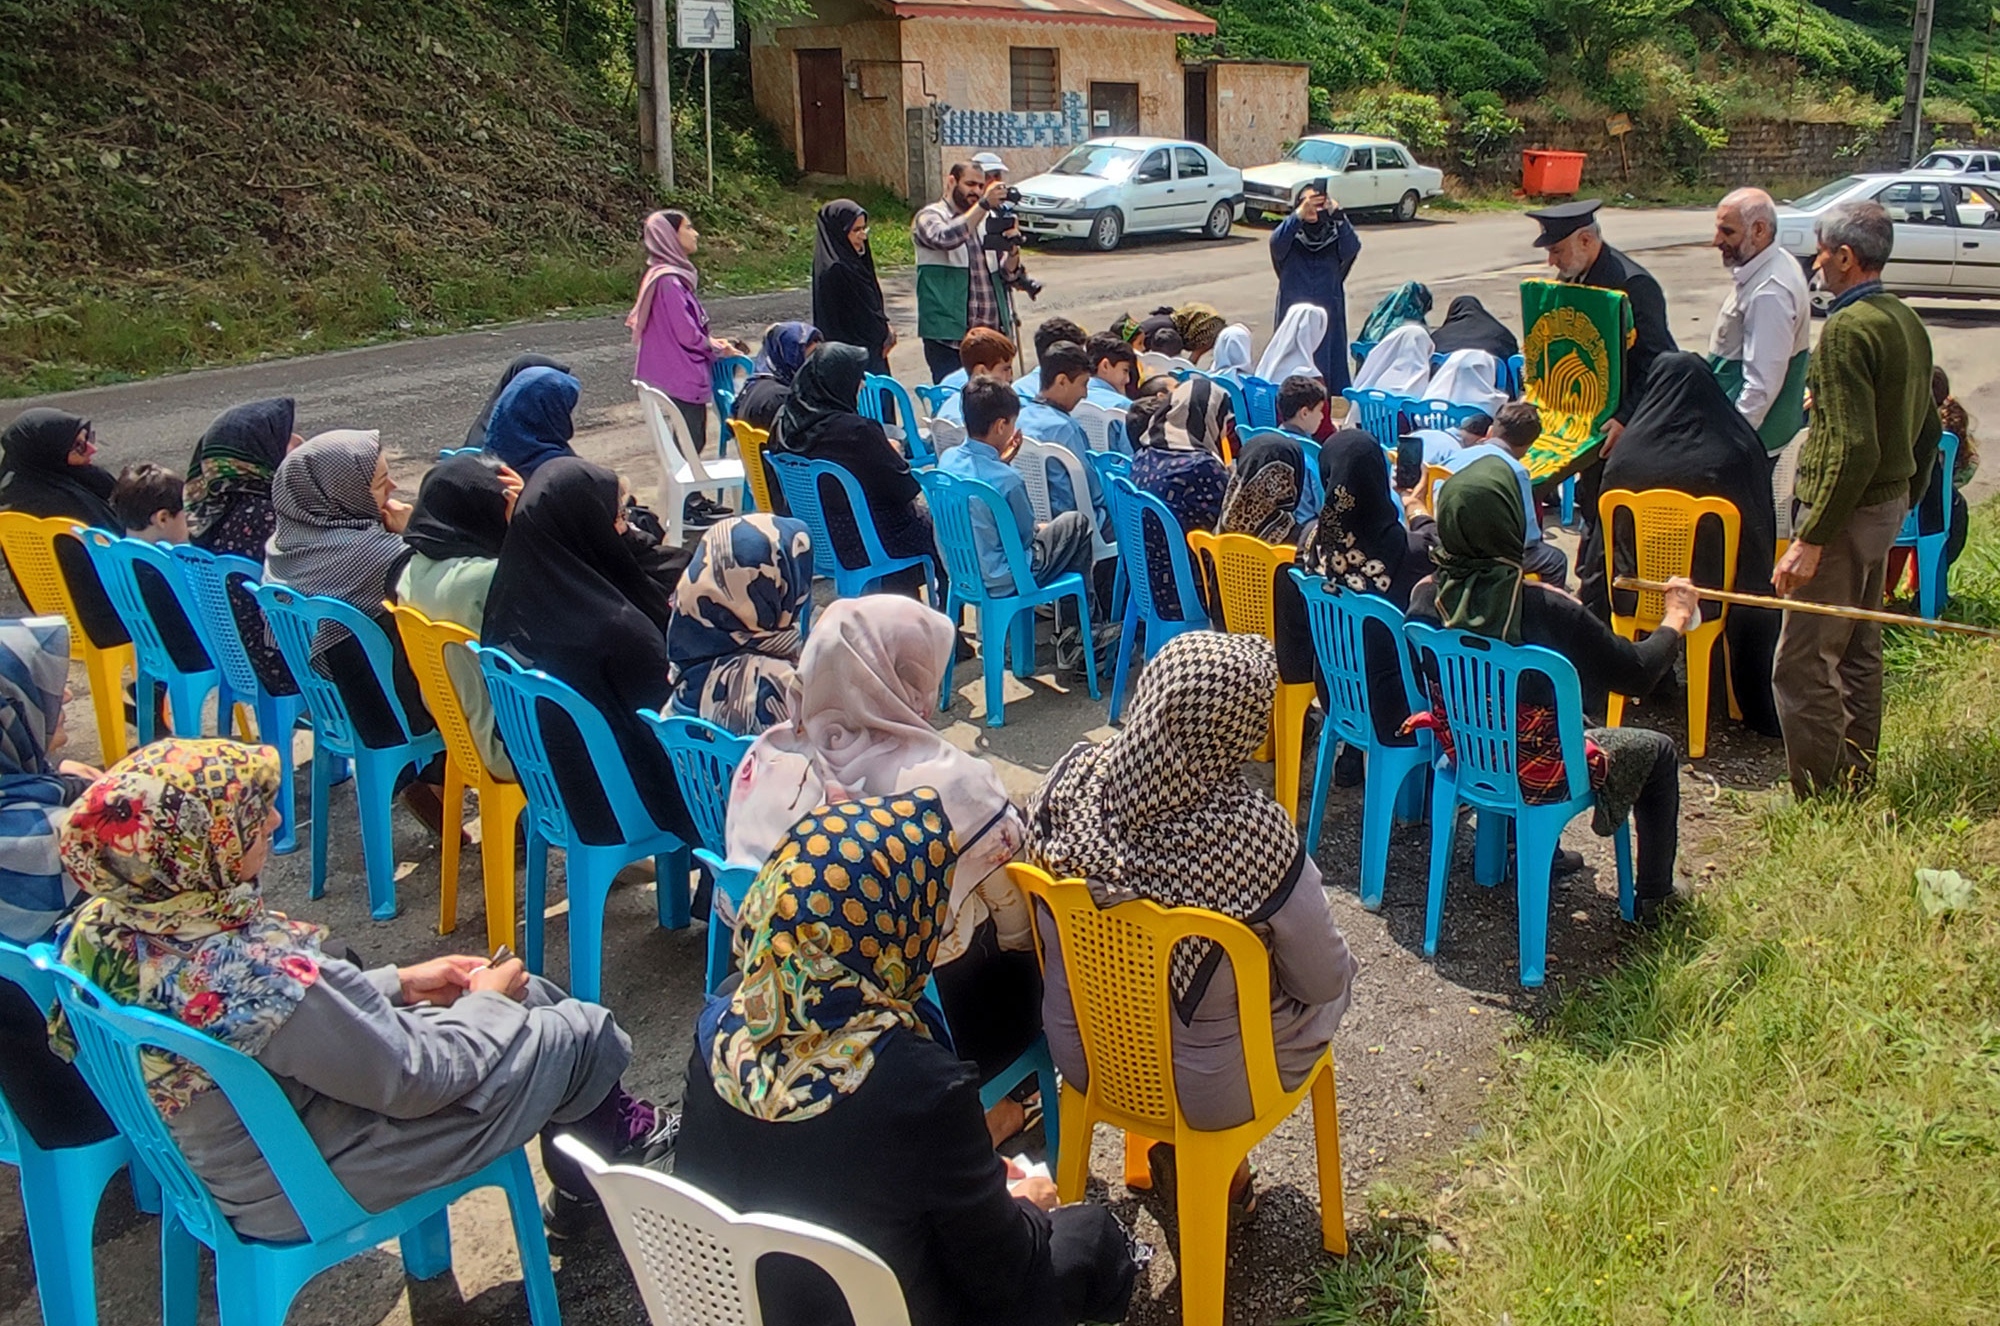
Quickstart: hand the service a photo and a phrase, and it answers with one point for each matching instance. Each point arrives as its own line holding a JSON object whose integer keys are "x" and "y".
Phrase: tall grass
{"x": 1787, "y": 1109}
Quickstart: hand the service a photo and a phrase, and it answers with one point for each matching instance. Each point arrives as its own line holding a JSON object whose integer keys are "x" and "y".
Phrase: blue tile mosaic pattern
{"x": 963, "y": 128}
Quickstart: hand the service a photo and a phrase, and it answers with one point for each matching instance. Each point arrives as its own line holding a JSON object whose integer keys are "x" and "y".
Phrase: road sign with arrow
{"x": 708, "y": 25}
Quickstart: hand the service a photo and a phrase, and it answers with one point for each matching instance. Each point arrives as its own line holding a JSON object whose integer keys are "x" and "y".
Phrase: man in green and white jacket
{"x": 961, "y": 284}
{"x": 1758, "y": 350}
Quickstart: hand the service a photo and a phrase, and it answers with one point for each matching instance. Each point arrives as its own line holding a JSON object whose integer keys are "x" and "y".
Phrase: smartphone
{"x": 1319, "y": 185}
{"x": 1409, "y": 462}
{"x": 500, "y": 955}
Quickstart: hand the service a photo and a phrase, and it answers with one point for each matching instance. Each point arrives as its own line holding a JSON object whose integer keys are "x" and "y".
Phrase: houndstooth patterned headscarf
{"x": 1162, "y": 809}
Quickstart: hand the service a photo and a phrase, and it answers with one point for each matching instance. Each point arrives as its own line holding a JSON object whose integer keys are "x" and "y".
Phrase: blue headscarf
{"x": 784, "y": 349}
{"x": 734, "y": 639}
{"x": 531, "y": 424}
{"x": 35, "y": 893}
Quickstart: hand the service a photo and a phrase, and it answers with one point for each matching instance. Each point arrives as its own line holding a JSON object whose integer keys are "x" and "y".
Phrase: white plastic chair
{"x": 1155, "y": 362}
{"x": 945, "y": 435}
{"x": 682, "y": 470}
{"x": 1032, "y": 462}
{"x": 696, "y": 1260}
{"x": 1097, "y": 423}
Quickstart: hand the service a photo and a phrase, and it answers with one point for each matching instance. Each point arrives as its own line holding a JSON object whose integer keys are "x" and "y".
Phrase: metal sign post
{"x": 708, "y": 26}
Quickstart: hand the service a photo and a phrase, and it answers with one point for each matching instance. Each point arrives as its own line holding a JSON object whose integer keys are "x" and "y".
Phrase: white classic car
{"x": 1108, "y": 188}
{"x": 1947, "y": 231}
{"x": 1364, "y": 174}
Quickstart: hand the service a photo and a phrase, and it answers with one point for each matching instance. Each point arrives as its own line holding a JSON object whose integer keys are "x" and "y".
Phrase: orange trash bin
{"x": 1545, "y": 173}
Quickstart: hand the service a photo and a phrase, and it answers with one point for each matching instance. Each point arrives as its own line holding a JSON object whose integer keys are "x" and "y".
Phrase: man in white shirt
{"x": 1759, "y": 347}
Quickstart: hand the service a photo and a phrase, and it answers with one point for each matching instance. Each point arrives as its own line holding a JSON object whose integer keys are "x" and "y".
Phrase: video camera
{"x": 1005, "y": 217}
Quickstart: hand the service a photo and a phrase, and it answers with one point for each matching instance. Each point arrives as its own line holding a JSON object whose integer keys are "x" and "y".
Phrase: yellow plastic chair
{"x": 1117, "y": 963}
{"x": 750, "y": 445}
{"x": 1241, "y": 569}
{"x": 1663, "y": 529}
{"x": 29, "y": 543}
{"x": 1433, "y": 476}
{"x": 500, "y": 802}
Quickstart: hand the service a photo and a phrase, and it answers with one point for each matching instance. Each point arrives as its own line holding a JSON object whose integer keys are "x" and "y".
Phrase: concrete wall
{"x": 965, "y": 61}
{"x": 1255, "y": 108}
{"x": 876, "y": 143}
{"x": 1758, "y": 152}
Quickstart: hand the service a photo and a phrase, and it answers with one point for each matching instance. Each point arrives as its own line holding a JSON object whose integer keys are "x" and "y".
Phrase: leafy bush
{"x": 1484, "y": 131}
{"x": 1413, "y": 117}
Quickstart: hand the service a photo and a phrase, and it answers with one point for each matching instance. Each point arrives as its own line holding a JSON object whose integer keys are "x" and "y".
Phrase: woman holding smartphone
{"x": 1313, "y": 250}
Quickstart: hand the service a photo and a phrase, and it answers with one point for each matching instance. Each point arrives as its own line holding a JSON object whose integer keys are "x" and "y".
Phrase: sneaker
{"x": 654, "y": 1142}
{"x": 1068, "y": 643}
{"x": 1565, "y": 862}
{"x": 695, "y": 516}
{"x": 706, "y": 503}
{"x": 566, "y": 1216}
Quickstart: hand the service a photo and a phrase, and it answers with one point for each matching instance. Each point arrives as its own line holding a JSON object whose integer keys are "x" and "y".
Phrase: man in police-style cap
{"x": 1579, "y": 254}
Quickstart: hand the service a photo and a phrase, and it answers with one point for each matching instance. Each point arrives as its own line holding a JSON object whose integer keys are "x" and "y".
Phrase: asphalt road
{"x": 1425, "y": 1037}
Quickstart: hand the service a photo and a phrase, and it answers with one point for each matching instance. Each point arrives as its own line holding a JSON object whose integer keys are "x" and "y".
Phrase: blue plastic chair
{"x": 1339, "y": 620}
{"x": 1005, "y": 620}
{"x": 61, "y": 1189}
{"x": 1479, "y": 680}
{"x": 1514, "y": 368}
{"x": 1378, "y": 412}
{"x": 934, "y": 397}
{"x": 208, "y": 578}
{"x": 589, "y": 867}
{"x": 447, "y": 453}
{"x": 1568, "y": 492}
{"x": 118, "y": 561}
{"x": 800, "y": 478}
{"x": 724, "y": 381}
{"x": 705, "y": 757}
{"x": 1130, "y": 510}
{"x": 255, "y": 1282}
{"x": 1260, "y": 403}
{"x": 1237, "y": 400}
{"x": 1439, "y": 414}
{"x": 884, "y": 400}
{"x": 1359, "y": 351}
{"x": 296, "y": 620}
{"x": 731, "y": 883}
{"x": 1931, "y": 568}
{"x": 1109, "y": 465}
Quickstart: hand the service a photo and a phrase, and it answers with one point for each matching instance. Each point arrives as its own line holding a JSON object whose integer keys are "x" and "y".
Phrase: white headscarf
{"x": 1400, "y": 363}
{"x": 861, "y": 701}
{"x": 1467, "y": 377}
{"x": 1294, "y": 344}
{"x": 1232, "y": 351}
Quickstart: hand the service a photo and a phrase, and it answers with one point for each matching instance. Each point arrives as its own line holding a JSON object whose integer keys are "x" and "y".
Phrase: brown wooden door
{"x": 1197, "y": 107}
{"x": 1114, "y": 109}
{"x": 823, "y": 112}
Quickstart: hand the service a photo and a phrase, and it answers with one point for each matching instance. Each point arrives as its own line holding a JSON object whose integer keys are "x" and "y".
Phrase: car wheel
{"x": 1220, "y": 218}
{"x": 1406, "y": 206}
{"x": 1107, "y": 230}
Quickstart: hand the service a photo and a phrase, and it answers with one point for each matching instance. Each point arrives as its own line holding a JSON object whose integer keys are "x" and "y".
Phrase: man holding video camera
{"x": 968, "y": 247}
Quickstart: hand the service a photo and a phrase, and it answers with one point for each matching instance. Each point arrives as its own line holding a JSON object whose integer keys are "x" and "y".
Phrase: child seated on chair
{"x": 1056, "y": 548}
{"x": 406, "y": 1078}
{"x": 1162, "y": 811}
{"x": 821, "y": 1087}
{"x": 1302, "y": 406}
{"x": 148, "y": 501}
{"x": 984, "y": 353}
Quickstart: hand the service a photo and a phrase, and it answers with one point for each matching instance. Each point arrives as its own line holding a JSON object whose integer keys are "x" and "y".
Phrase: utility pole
{"x": 1910, "y": 136}
{"x": 653, "y": 46}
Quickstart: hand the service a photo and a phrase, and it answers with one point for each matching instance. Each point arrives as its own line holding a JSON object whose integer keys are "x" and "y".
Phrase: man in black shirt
{"x": 1579, "y": 255}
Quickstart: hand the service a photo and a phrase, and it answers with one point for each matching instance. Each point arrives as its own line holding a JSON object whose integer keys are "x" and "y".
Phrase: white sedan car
{"x": 1947, "y": 231}
{"x": 1109, "y": 188}
{"x": 1363, "y": 174}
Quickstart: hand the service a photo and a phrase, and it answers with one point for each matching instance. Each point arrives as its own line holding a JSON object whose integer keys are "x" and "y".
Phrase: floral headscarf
{"x": 838, "y": 936}
{"x": 156, "y": 843}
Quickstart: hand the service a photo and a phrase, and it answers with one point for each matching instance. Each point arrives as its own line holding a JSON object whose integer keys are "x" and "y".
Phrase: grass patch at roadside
{"x": 1787, "y": 1107}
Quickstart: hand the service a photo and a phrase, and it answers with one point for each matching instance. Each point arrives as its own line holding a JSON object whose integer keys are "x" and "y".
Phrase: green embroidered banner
{"x": 1573, "y": 369}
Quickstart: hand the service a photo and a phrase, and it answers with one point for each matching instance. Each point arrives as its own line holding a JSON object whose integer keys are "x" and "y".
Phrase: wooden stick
{"x": 1819, "y": 609}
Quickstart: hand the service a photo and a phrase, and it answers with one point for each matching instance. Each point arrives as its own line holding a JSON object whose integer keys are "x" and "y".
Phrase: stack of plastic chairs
{"x": 1116, "y": 960}
{"x": 255, "y": 1282}
{"x": 517, "y": 695}
{"x": 1479, "y": 680}
{"x": 296, "y": 621}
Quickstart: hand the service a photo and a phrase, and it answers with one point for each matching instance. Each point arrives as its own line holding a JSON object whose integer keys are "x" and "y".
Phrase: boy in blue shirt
{"x": 1065, "y": 376}
{"x": 984, "y": 353}
{"x": 1055, "y": 549}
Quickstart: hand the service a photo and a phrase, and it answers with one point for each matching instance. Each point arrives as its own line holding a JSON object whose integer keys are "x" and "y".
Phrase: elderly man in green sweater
{"x": 1867, "y": 459}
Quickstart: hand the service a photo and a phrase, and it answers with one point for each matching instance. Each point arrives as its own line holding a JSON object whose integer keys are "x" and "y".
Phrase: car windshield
{"x": 1941, "y": 161}
{"x": 1312, "y": 152}
{"x": 1825, "y": 194}
{"x": 1098, "y": 160}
